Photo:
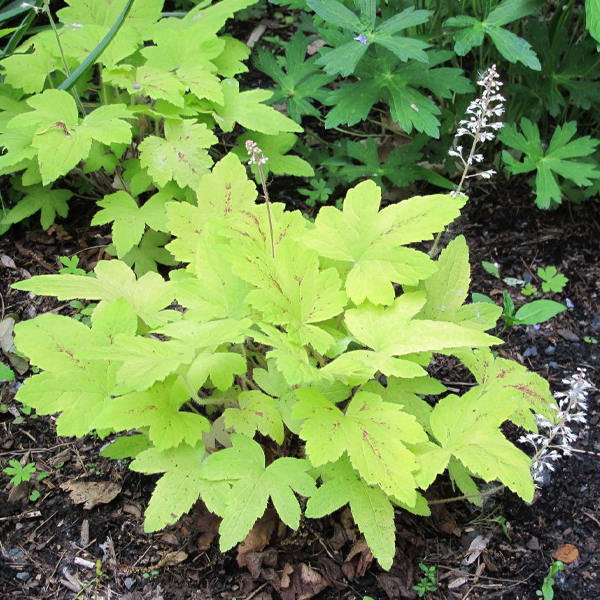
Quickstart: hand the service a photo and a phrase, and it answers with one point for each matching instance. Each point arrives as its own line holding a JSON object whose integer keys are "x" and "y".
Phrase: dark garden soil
{"x": 50, "y": 547}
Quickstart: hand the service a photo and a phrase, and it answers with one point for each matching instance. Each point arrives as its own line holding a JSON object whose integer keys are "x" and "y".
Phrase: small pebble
{"x": 527, "y": 277}
{"x": 15, "y": 553}
{"x": 531, "y": 351}
{"x": 550, "y": 350}
{"x": 23, "y": 576}
{"x": 129, "y": 583}
{"x": 553, "y": 364}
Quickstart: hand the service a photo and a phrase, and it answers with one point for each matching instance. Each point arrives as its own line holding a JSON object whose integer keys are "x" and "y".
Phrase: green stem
{"x": 62, "y": 54}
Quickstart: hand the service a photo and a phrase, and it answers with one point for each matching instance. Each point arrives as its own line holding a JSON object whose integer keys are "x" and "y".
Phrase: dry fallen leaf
{"x": 478, "y": 545}
{"x": 566, "y": 553}
{"x": 91, "y": 493}
{"x": 258, "y": 538}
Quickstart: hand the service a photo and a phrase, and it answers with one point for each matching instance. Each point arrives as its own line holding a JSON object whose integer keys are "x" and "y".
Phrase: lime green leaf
{"x": 61, "y": 141}
{"x": 371, "y": 508}
{"x": 6, "y": 373}
{"x": 181, "y": 156}
{"x": 257, "y": 412}
{"x": 253, "y": 485}
{"x": 226, "y": 192}
{"x": 114, "y": 279}
{"x": 275, "y": 148}
{"x": 158, "y": 410}
{"x": 467, "y": 427}
{"x": 369, "y": 239}
{"x": 294, "y": 292}
{"x": 129, "y": 219}
{"x": 126, "y": 447}
{"x": 180, "y": 486}
{"x": 29, "y": 71}
{"x": 371, "y": 431}
{"x": 246, "y": 108}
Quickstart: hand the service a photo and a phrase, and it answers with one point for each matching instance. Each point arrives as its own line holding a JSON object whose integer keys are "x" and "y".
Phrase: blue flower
{"x": 361, "y": 38}
{"x": 137, "y": 86}
{"x": 569, "y": 303}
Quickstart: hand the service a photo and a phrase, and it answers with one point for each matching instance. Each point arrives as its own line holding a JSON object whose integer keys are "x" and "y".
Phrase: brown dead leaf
{"x": 313, "y": 48}
{"x": 567, "y": 553}
{"x": 357, "y": 562}
{"x": 91, "y": 493}
{"x": 170, "y": 559}
{"x": 207, "y": 524}
{"x": 478, "y": 545}
{"x": 304, "y": 583}
{"x": 258, "y": 538}
{"x": 258, "y": 561}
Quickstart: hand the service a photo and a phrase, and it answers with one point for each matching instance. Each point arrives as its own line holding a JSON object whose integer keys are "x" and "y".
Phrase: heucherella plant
{"x": 287, "y": 358}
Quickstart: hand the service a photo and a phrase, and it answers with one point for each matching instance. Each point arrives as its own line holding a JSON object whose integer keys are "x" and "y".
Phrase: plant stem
{"x": 62, "y": 54}
{"x": 268, "y": 202}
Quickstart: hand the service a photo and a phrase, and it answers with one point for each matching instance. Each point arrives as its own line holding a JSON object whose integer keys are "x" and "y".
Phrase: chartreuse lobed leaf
{"x": 371, "y": 241}
{"x": 225, "y": 192}
{"x": 180, "y": 486}
{"x": 147, "y": 296}
{"x": 75, "y": 387}
{"x": 130, "y": 220}
{"x": 467, "y": 428}
{"x": 248, "y": 110}
{"x": 371, "y": 431}
{"x": 47, "y": 202}
{"x": 447, "y": 290}
{"x": 243, "y": 465}
{"x": 181, "y": 156}
{"x": 256, "y": 412}
{"x": 158, "y": 409}
{"x": 60, "y": 139}
{"x": 371, "y": 508}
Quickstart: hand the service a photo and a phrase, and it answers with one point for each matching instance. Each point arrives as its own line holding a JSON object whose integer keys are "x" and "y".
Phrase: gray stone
{"x": 550, "y": 350}
{"x": 23, "y": 576}
{"x": 129, "y": 583}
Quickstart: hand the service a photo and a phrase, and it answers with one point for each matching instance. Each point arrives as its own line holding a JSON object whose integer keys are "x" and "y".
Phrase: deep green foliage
{"x": 266, "y": 381}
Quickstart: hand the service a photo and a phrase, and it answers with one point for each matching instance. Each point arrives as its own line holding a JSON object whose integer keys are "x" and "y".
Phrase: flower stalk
{"x": 481, "y": 127}
{"x": 259, "y": 159}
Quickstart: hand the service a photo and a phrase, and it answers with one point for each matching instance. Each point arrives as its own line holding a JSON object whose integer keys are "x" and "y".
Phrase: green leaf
{"x": 371, "y": 431}
{"x": 256, "y": 412}
{"x": 300, "y": 84}
{"x": 180, "y": 156}
{"x": 150, "y": 253}
{"x": 275, "y": 149}
{"x": 19, "y": 473}
{"x": 336, "y": 14}
{"x": 114, "y": 279}
{"x": 559, "y": 159}
{"x": 180, "y": 486}
{"x": 371, "y": 508}
{"x": 553, "y": 281}
{"x": 370, "y": 240}
{"x": 471, "y": 32}
{"x": 6, "y": 373}
{"x": 28, "y": 72}
{"x": 491, "y": 268}
{"x": 539, "y": 311}
{"x": 95, "y": 54}
{"x": 407, "y": 88}
{"x": 37, "y": 198}
{"x": 467, "y": 427}
{"x": 247, "y": 109}
{"x": 225, "y": 192}
{"x": 129, "y": 219}
{"x": 252, "y": 485}
{"x": 61, "y": 141}
{"x": 158, "y": 409}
